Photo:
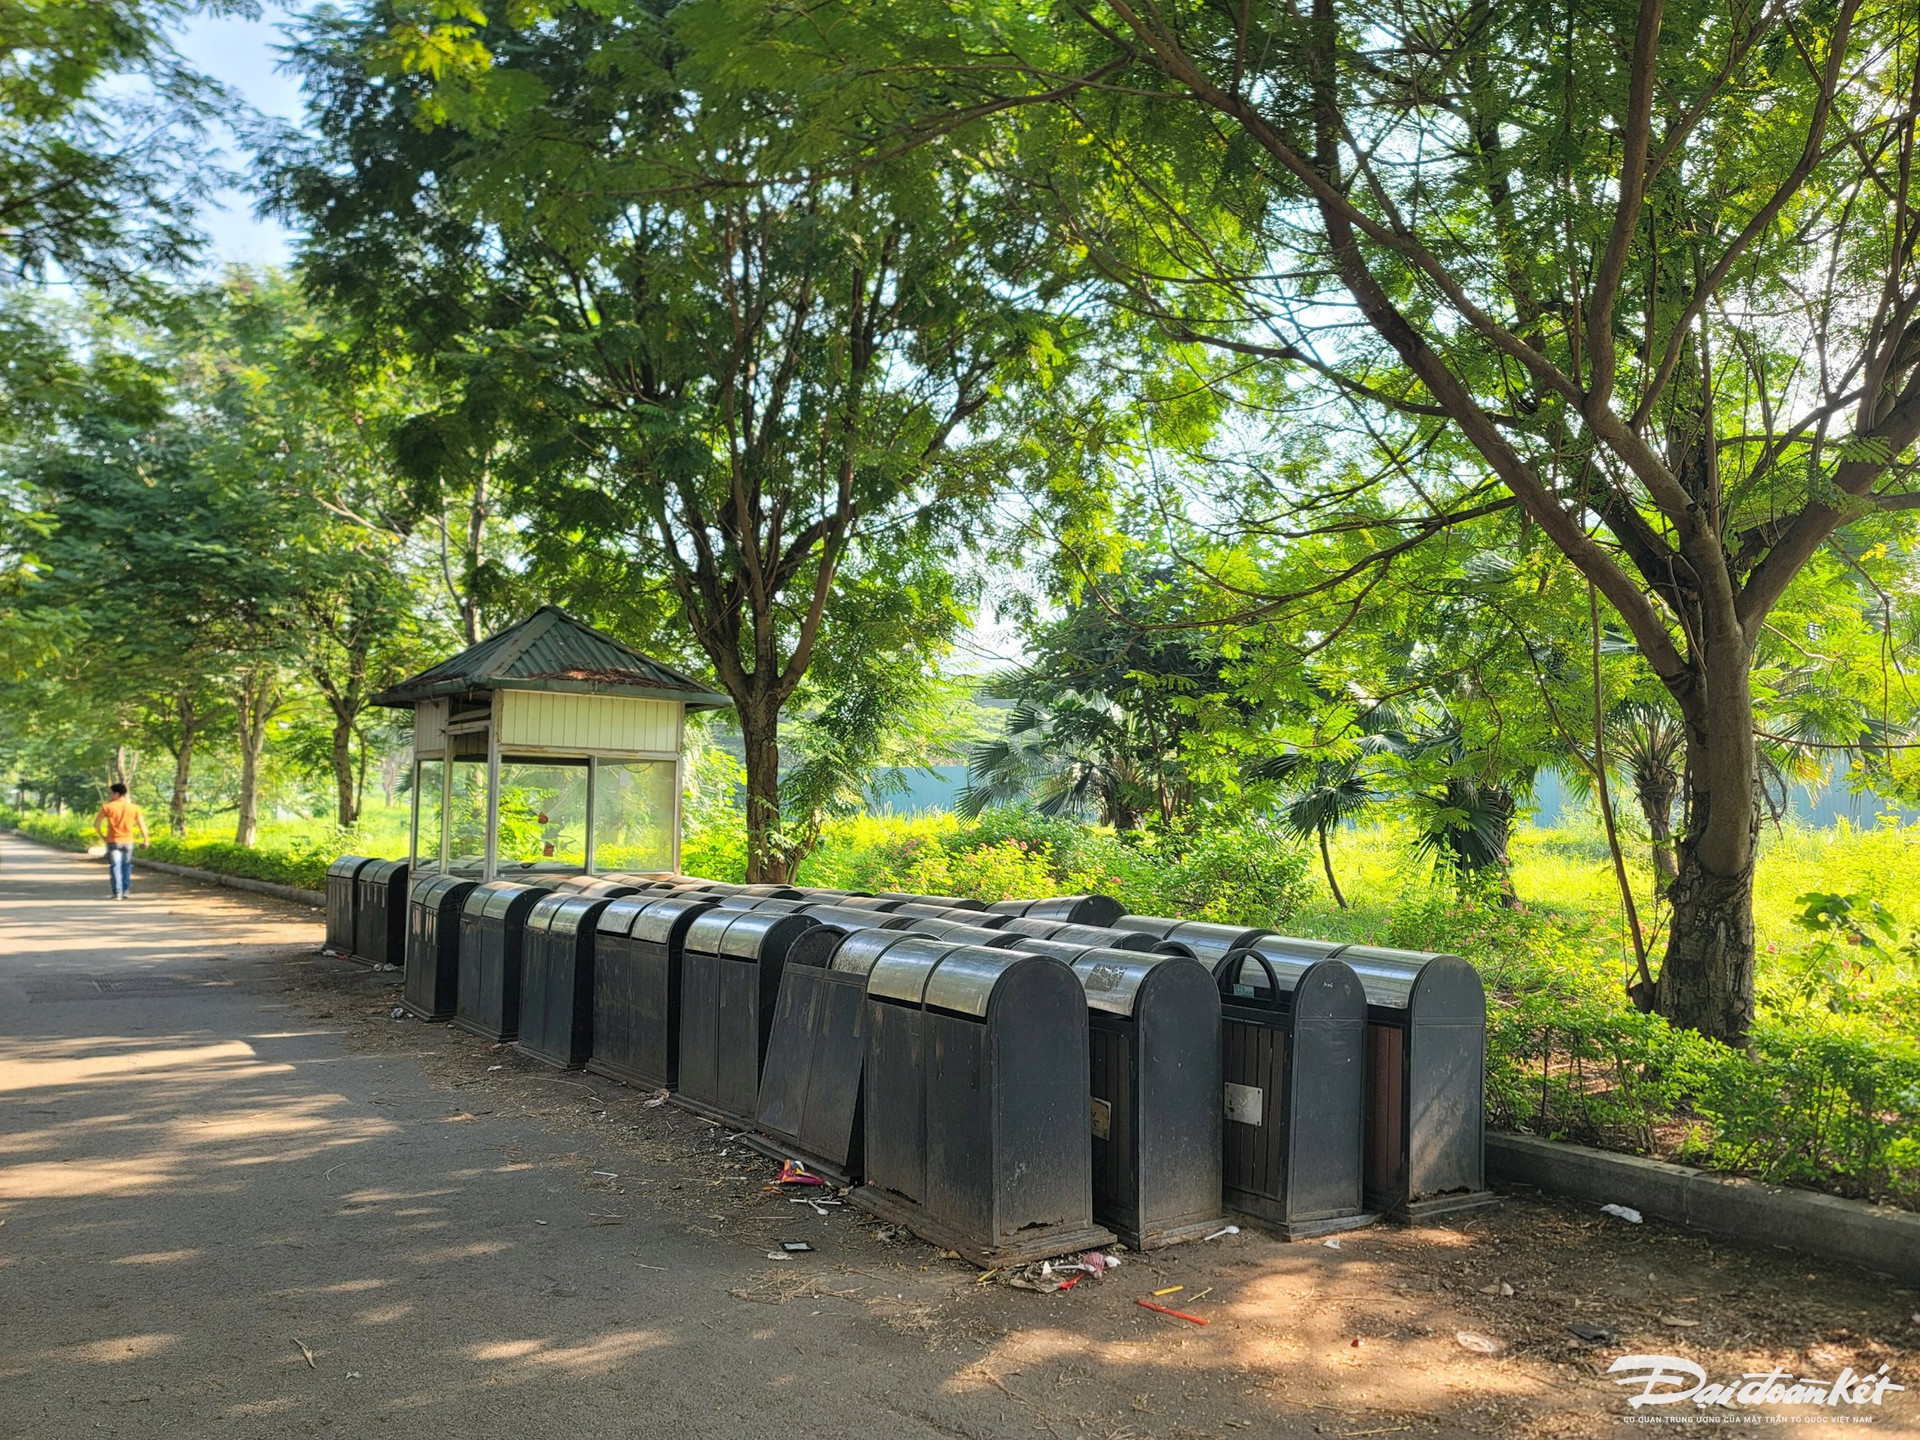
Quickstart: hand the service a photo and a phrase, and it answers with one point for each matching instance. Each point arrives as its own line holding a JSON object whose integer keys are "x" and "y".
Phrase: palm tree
{"x": 1645, "y": 738}
{"x": 1071, "y": 758}
{"x": 1326, "y": 793}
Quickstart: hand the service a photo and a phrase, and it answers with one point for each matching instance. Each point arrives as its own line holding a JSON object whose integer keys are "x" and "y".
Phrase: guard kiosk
{"x": 547, "y": 750}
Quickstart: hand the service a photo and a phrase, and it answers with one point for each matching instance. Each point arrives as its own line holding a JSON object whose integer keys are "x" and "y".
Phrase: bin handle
{"x": 1225, "y": 979}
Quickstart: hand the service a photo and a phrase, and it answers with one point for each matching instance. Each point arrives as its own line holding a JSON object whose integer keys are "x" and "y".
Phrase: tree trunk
{"x": 1706, "y": 982}
{"x": 767, "y": 861}
{"x": 1326, "y": 859}
{"x": 183, "y": 767}
{"x": 256, "y": 704}
{"x": 1656, "y": 790}
{"x": 347, "y": 800}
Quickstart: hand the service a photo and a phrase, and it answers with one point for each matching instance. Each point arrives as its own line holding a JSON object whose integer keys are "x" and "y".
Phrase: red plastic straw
{"x": 1167, "y": 1310}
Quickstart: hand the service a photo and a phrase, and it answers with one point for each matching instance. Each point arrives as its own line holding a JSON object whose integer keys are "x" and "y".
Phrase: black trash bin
{"x": 1101, "y": 910}
{"x": 730, "y": 980}
{"x": 1008, "y": 1162}
{"x": 1087, "y": 937}
{"x": 607, "y": 887}
{"x": 1294, "y": 1034}
{"x": 1209, "y": 943}
{"x": 636, "y": 988}
{"x": 493, "y": 932}
{"x": 1426, "y": 1083}
{"x": 812, "y": 1095}
{"x": 1154, "y": 1081}
{"x": 432, "y": 988}
{"x": 342, "y": 898}
{"x": 833, "y": 923}
{"x": 961, "y": 933}
{"x": 556, "y": 979}
{"x": 380, "y": 913}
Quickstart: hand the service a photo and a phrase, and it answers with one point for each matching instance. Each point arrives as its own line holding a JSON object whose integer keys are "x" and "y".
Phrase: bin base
{"x": 558, "y": 1062}
{"x": 1326, "y": 1225}
{"x": 1441, "y": 1207}
{"x": 1030, "y": 1245}
{"x": 421, "y": 1012}
{"x": 485, "y": 1032}
{"x": 1169, "y": 1234}
{"x": 626, "y": 1074}
{"x": 708, "y": 1112}
{"x": 775, "y": 1149}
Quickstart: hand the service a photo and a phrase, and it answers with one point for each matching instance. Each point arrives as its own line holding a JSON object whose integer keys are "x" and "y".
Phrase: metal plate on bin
{"x": 901, "y": 973}
{"x": 1246, "y": 1104}
{"x": 964, "y": 980}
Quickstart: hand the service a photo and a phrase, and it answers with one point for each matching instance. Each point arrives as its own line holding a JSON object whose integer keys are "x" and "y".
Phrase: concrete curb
{"x": 237, "y": 882}
{"x": 1876, "y": 1237}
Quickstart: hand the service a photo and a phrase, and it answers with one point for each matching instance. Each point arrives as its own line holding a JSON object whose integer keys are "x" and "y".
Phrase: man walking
{"x": 118, "y": 823}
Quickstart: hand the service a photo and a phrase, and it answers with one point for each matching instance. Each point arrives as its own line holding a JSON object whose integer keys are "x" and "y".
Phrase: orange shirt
{"x": 122, "y": 819}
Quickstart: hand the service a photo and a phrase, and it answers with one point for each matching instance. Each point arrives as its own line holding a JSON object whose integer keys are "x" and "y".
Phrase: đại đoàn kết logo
{"x": 1758, "y": 1396}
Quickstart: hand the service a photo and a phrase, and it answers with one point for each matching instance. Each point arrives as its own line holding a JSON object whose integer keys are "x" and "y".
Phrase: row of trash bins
{"x": 1013, "y": 1081}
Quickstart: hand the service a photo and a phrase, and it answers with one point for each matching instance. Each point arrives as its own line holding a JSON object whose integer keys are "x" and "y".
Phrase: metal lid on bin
{"x": 618, "y": 917}
{"x": 575, "y": 913}
{"x": 847, "y": 917}
{"x": 859, "y": 950}
{"x": 1070, "y": 909}
{"x": 1103, "y": 938}
{"x": 656, "y": 924}
{"x": 439, "y": 890}
{"x": 1213, "y": 943}
{"x": 347, "y": 866}
{"x": 965, "y": 979}
{"x": 1113, "y": 979}
{"x": 948, "y": 902}
{"x": 778, "y": 904}
{"x": 901, "y": 972}
{"x": 770, "y": 892}
{"x": 505, "y": 899}
{"x": 1289, "y": 958}
{"x": 961, "y": 933}
{"x": 1439, "y": 986}
{"x": 1067, "y": 950}
{"x": 757, "y": 935}
{"x": 382, "y": 872}
{"x": 1038, "y": 929}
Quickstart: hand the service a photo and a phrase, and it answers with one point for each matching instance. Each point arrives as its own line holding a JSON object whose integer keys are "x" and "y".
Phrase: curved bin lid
{"x": 777, "y": 904}
{"x": 576, "y": 913}
{"x": 704, "y": 935}
{"x": 435, "y": 891}
{"x": 1100, "y": 910}
{"x": 1288, "y": 957}
{"x": 655, "y": 924}
{"x": 1100, "y": 937}
{"x": 901, "y": 971}
{"x": 1158, "y": 926}
{"x": 347, "y": 866}
{"x": 1067, "y": 950}
{"x": 757, "y": 934}
{"x": 947, "y": 902}
{"x": 771, "y": 892}
{"x": 1038, "y": 929}
{"x": 1213, "y": 943}
{"x": 503, "y": 899}
{"x": 1113, "y": 979}
{"x": 966, "y": 977}
{"x": 873, "y": 902}
{"x": 386, "y": 871}
{"x": 963, "y": 934}
{"x": 541, "y": 917}
{"x": 858, "y": 951}
{"x": 846, "y": 917}
{"x": 618, "y": 917}
{"x": 1442, "y": 985}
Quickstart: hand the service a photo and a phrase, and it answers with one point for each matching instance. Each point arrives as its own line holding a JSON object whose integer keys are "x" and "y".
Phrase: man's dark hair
{"x": 117, "y": 788}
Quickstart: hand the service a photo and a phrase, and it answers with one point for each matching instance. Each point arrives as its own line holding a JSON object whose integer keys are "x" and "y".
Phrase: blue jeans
{"x": 120, "y": 868}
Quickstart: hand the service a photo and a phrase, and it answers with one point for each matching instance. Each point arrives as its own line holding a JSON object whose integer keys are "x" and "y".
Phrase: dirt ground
{"x": 542, "y": 1192}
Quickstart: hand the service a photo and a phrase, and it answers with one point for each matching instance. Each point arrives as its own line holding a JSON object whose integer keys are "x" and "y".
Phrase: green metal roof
{"x": 550, "y": 650}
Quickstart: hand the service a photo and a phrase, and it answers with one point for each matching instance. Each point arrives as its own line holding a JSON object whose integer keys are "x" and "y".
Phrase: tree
{"x": 735, "y": 374}
{"x": 1654, "y": 268}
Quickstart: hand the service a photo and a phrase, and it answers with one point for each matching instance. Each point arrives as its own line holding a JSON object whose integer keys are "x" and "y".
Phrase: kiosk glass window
{"x": 543, "y": 815}
{"x": 467, "y": 810}
{"x": 428, "y": 778}
{"x": 633, "y": 820}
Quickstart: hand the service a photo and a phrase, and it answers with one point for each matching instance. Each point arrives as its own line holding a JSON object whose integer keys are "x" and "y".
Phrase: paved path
{"x": 195, "y": 1183}
{"x": 237, "y": 1199}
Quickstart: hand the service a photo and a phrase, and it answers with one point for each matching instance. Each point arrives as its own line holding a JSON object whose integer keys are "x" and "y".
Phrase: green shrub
{"x": 64, "y": 832}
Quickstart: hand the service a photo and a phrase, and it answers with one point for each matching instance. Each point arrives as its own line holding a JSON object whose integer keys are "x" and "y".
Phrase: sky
{"x": 240, "y": 53}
